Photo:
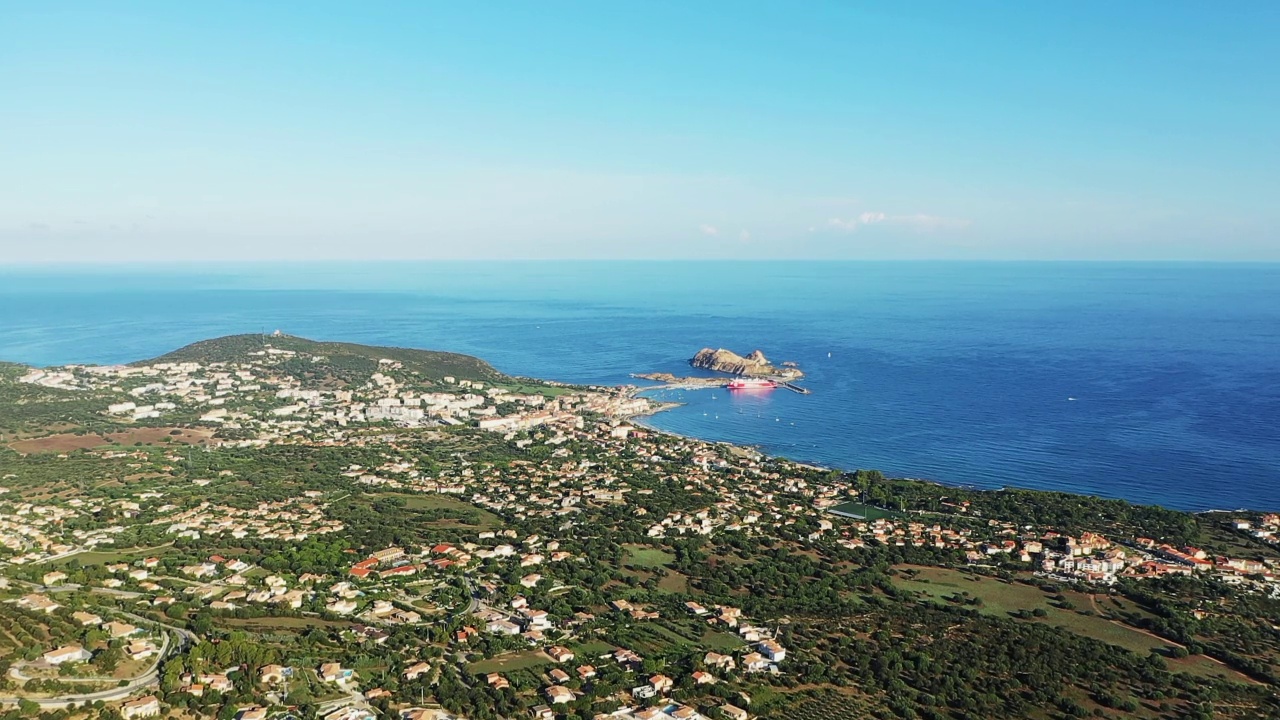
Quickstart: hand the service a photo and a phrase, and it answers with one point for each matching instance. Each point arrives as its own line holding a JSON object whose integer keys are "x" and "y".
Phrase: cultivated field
{"x": 1077, "y": 612}
{"x": 513, "y": 661}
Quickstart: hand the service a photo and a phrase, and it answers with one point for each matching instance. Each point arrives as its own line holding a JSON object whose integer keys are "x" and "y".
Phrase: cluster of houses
{"x": 1265, "y": 528}
{"x": 295, "y": 520}
{"x": 135, "y": 642}
{"x": 57, "y": 379}
{"x": 1090, "y": 557}
{"x": 256, "y": 394}
{"x": 521, "y": 619}
{"x": 761, "y": 653}
{"x": 36, "y": 532}
{"x": 665, "y": 711}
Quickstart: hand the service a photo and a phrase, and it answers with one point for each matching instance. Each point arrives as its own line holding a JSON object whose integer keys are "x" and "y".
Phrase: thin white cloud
{"x": 744, "y": 236}
{"x": 919, "y": 222}
{"x": 709, "y": 230}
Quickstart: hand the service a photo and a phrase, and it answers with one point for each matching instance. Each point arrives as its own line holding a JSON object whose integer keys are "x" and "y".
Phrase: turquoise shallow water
{"x": 957, "y": 372}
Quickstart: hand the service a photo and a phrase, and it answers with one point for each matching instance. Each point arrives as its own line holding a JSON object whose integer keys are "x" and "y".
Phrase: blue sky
{"x": 976, "y": 130}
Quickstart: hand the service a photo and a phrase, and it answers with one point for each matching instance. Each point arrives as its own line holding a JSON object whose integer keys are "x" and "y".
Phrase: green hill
{"x": 343, "y": 360}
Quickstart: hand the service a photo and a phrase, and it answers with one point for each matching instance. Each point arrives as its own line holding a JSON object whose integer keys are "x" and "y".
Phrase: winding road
{"x": 146, "y": 679}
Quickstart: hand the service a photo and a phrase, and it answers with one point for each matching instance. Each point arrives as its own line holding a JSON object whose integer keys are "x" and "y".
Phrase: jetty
{"x": 668, "y": 381}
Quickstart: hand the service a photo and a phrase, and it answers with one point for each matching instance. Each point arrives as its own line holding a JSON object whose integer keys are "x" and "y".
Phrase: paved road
{"x": 186, "y": 639}
{"x": 147, "y": 679}
{"x": 474, "y": 606}
{"x": 60, "y": 556}
{"x": 354, "y": 698}
{"x": 55, "y": 589}
{"x": 125, "y": 594}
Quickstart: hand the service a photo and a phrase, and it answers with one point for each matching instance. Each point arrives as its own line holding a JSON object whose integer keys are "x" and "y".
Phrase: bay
{"x": 1153, "y": 382}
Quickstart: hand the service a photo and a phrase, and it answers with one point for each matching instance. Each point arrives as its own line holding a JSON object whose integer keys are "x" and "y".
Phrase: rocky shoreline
{"x": 753, "y": 365}
{"x": 670, "y": 379}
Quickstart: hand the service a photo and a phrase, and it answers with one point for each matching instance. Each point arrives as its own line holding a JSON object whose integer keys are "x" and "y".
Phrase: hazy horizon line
{"x": 120, "y": 264}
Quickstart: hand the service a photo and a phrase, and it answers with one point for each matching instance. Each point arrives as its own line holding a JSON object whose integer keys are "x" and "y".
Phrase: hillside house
{"x": 148, "y": 706}
{"x": 67, "y": 654}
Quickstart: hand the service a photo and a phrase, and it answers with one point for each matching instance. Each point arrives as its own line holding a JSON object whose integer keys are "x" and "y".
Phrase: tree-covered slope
{"x": 341, "y": 359}
{"x": 12, "y": 371}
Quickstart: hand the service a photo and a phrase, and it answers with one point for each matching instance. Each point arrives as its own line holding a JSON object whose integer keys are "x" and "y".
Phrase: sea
{"x": 1153, "y": 382}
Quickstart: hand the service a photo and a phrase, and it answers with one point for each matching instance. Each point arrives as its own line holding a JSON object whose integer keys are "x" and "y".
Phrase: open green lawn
{"x": 642, "y": 556}
{"x": 433, "y": 501}
{"x": 1002, "y": 598}
{"x": 674, "y": 582}
{"x": 866, "y": 512}
{"x": 1201, "y": 666}
{"x": 102, "y": 557}
{"x": 722, "y": 641}
{"x": 649, "y": 639}
{"x": 511, "y": 661}
{"x": 591, "y": 649}
{"x": 279, "y": 624}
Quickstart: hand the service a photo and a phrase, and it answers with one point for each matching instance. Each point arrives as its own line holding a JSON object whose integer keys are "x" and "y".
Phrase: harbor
{"x": 671, "y": 382}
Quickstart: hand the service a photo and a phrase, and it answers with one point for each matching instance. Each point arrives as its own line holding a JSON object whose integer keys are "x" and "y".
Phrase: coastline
{"x": 644, "y": 419}
{"x": 920, "y": 397}
{"x": 638, "y": 420}
{"x": 659, "y": 407}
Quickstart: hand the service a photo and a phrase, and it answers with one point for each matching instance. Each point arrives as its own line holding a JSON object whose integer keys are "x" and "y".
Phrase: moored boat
{"x": 750, "y": 384}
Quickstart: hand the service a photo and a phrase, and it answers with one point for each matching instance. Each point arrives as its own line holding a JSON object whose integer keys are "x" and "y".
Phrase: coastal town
{"x": 835, "y": 360}
{"x": 285, "y": 530}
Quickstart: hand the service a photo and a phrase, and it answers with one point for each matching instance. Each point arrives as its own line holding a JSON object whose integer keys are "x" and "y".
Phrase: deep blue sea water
{"x": 956, "y": 372}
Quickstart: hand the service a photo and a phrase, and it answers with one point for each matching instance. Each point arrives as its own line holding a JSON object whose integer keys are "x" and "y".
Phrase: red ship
{"x": 750, "y": 384}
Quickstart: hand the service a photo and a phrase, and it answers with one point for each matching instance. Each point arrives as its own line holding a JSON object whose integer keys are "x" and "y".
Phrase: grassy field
{"x": 676, "y": 635}
{"x": 866, "y": 512}
{"x": 280, "y": 624}
{"x": 101, "y": 557}
{"x": 722, "y": 641}
{"x": 487, "y": 520}
{"x": 591, "y": 649}
{"x": 642, "y": 556}
{"x": 674, "y": 582}
{"x": 1003, "y": 598}
{"x": 824, "y": 704}
{"x": 1201, "y": 666}
{"x": 651, "y": 638}
{"x": 512, "y": 661}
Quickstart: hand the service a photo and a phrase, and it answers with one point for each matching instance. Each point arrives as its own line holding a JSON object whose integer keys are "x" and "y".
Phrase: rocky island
{"x": 753, "y": 365}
